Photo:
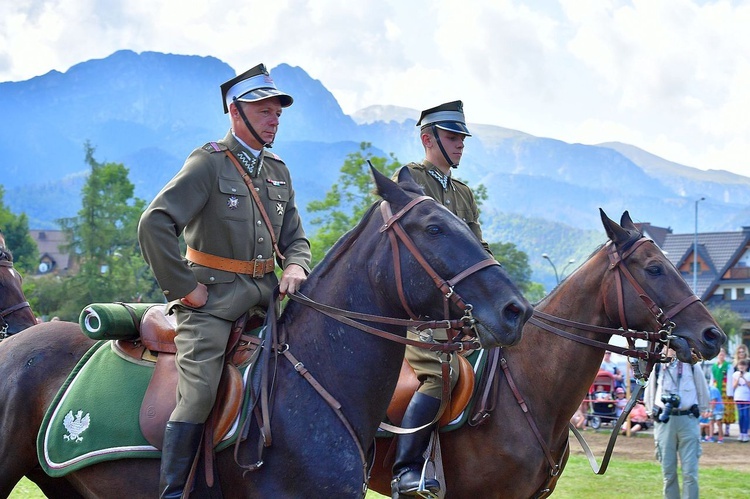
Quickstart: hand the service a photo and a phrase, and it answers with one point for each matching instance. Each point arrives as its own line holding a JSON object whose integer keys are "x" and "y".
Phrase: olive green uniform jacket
{"x": 210, "y": 202}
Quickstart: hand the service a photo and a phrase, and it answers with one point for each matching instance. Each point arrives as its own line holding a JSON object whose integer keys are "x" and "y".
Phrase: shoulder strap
{"x": 258, "y": 202}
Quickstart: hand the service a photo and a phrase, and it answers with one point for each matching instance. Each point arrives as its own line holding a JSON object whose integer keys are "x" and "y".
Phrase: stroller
{"x": 602, "y": 408}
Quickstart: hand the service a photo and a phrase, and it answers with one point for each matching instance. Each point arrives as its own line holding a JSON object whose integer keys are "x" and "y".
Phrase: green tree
{"x": 15, "y": 229}
{"x": 103, "y": 237}
{"x": 516, "y": 263}
{"x": 729, "y": 321}
{"x": 347, "y": 200}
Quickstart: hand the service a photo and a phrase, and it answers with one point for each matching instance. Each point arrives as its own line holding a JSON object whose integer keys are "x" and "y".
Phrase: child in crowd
{"x": 717, "y": 413}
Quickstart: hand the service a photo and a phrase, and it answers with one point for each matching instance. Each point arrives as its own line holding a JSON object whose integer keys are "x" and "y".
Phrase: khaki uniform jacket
{"x": 458, "y": 197}
{"x": 211, "y": 204}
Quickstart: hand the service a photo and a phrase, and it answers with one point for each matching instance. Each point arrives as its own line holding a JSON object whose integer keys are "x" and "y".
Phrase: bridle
{"x": 465, "y": 326}
{"x": 643, "y": 359}
{"x": 10, "y": 310}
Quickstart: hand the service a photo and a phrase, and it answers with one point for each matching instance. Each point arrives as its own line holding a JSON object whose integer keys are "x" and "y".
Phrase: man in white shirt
{"x": 675, "y": 396}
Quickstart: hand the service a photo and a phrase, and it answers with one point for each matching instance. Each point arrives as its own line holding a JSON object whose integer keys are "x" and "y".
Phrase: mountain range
{"x": 149, "y": 110}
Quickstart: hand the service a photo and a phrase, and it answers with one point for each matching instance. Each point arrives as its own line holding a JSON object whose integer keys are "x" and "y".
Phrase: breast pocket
{"x": 234, "y": 199}
{"x": 278, "y": 197}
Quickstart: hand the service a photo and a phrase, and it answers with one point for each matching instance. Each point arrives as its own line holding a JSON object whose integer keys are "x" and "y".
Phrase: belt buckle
{"x": 258, "y": 268}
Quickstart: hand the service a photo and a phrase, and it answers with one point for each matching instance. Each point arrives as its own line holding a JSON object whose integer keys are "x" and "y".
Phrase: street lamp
{"x": 695, "y": 248}
{"x": 562, "y": 273}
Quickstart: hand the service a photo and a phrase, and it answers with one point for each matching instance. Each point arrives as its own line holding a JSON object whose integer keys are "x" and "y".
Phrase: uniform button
{"x": 258, "y": 223}
{"x": 212, "y": 278}
{"x": 260, "y": 239}
{"x": 259, "y": 256}
{"x": 447, "y": 201}
{"x": 234, "y": 190}
{"x": 278, "y": 196}
{"x": 166, "y": 292}
{"x": 257, "y": 189}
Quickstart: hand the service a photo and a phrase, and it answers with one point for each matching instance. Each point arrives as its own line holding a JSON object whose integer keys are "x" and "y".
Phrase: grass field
{"x": 625, "y": 478}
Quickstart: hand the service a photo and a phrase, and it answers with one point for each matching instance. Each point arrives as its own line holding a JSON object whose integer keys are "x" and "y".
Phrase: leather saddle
{"x": 155, "y": 345}
{"x": 408, "y": 384}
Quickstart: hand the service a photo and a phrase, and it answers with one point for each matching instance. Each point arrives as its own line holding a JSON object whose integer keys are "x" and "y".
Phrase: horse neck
{"x": 555, "y": 373}
{"x": 335, "y": 353}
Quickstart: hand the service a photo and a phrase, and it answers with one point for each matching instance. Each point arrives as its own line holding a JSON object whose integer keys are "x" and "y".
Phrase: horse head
{"x": 644, "y": 274}
{"x": 450, "y": 274}
{"x": 15, "y": 312}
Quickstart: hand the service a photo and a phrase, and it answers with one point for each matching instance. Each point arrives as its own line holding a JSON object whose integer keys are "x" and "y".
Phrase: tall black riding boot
{"x": 181, "y": 441}
{"x": 407, "y": 468}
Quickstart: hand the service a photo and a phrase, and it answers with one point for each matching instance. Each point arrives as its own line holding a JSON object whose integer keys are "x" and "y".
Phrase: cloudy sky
{"x": 669, "y": 76}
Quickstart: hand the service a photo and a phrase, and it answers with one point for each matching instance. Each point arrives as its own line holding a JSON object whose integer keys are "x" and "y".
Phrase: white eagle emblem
{"x": 279, "y": 209}
{"x": 76, "y": 425}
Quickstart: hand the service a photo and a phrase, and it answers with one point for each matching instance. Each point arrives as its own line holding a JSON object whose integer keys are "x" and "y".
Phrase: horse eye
{"x": 434, "y": 230}
{"x": 654, "y": 270}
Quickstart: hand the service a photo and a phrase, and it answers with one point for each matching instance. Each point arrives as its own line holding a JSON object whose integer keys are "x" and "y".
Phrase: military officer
{"x": 442, "y": 132}
{"x": 235, "y": 235}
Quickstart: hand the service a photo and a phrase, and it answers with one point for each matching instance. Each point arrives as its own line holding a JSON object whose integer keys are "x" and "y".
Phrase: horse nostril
{"x": 713, "y": 335}
{"x": 512, "y": 312}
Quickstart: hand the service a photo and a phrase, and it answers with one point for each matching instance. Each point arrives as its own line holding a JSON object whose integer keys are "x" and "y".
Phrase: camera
{"x": 670, "y": 401}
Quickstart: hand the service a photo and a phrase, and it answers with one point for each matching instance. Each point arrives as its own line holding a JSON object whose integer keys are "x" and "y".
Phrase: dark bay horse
{"x": 312, "y": 453}
{"x": 15, "y": 312}
{"x": 503, "y": 457}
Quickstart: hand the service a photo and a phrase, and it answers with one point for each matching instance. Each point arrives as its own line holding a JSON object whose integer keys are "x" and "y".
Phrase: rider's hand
{"x": 197, "y": 297}
{"x": 291, "y": 279}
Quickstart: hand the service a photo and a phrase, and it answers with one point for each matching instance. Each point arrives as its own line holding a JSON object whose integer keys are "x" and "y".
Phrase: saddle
{"x": 155, "y": 346}
{"x": 408, "y": 384}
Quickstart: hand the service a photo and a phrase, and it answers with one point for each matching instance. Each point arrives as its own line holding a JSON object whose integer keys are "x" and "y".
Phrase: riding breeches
{"x": 427, "y": 367}
{"x": 201, "y": 342}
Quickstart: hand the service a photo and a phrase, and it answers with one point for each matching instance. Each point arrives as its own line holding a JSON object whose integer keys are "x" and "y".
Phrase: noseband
{"x": 10, "y": 310}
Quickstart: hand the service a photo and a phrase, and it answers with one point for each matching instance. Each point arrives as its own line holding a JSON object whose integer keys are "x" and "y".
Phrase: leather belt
{"x": 256, "y": 268}
{"x": 686, "y": 412}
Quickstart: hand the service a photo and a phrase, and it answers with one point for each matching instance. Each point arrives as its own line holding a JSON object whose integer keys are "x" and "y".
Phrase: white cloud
{"x": 668, "y": 76}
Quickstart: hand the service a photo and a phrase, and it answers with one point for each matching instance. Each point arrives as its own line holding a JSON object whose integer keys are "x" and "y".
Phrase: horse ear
{"x": 626, "y": 222}
{"x": 407, "y": 182}
{"x": 388, "y": 189}
{"x": 615, "y": 233}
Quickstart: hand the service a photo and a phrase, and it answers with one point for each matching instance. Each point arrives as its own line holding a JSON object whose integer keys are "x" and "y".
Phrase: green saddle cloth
{"x": 94, "y": 417}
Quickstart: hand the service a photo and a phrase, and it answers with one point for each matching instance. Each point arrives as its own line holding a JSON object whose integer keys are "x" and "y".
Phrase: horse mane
{"x": 344, "y": 243}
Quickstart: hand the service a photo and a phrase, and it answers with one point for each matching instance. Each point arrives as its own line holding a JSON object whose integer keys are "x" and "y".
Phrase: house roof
{"x": 657, "y": 234}
{"x": 719, "y": 250}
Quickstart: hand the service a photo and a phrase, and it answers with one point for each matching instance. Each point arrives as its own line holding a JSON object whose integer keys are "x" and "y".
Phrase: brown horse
{"x": 15, "y": 311}
{"x": 502, "y": 457}
{"x": 388, "y": 265}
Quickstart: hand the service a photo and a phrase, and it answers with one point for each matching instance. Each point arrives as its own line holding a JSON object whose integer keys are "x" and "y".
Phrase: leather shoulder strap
{"x": 256, "y": 197}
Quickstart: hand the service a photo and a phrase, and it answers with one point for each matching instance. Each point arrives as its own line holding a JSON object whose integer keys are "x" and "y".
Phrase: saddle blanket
{"x": 94, "y": 416}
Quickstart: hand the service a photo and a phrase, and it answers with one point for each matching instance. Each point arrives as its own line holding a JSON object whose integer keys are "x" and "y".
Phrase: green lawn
{"x": 624, "y": 479}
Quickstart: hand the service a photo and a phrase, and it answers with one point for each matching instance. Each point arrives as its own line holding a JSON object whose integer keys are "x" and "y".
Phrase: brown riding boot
{"x": 181, "y": 442}
{"x": 407, "y": 468}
